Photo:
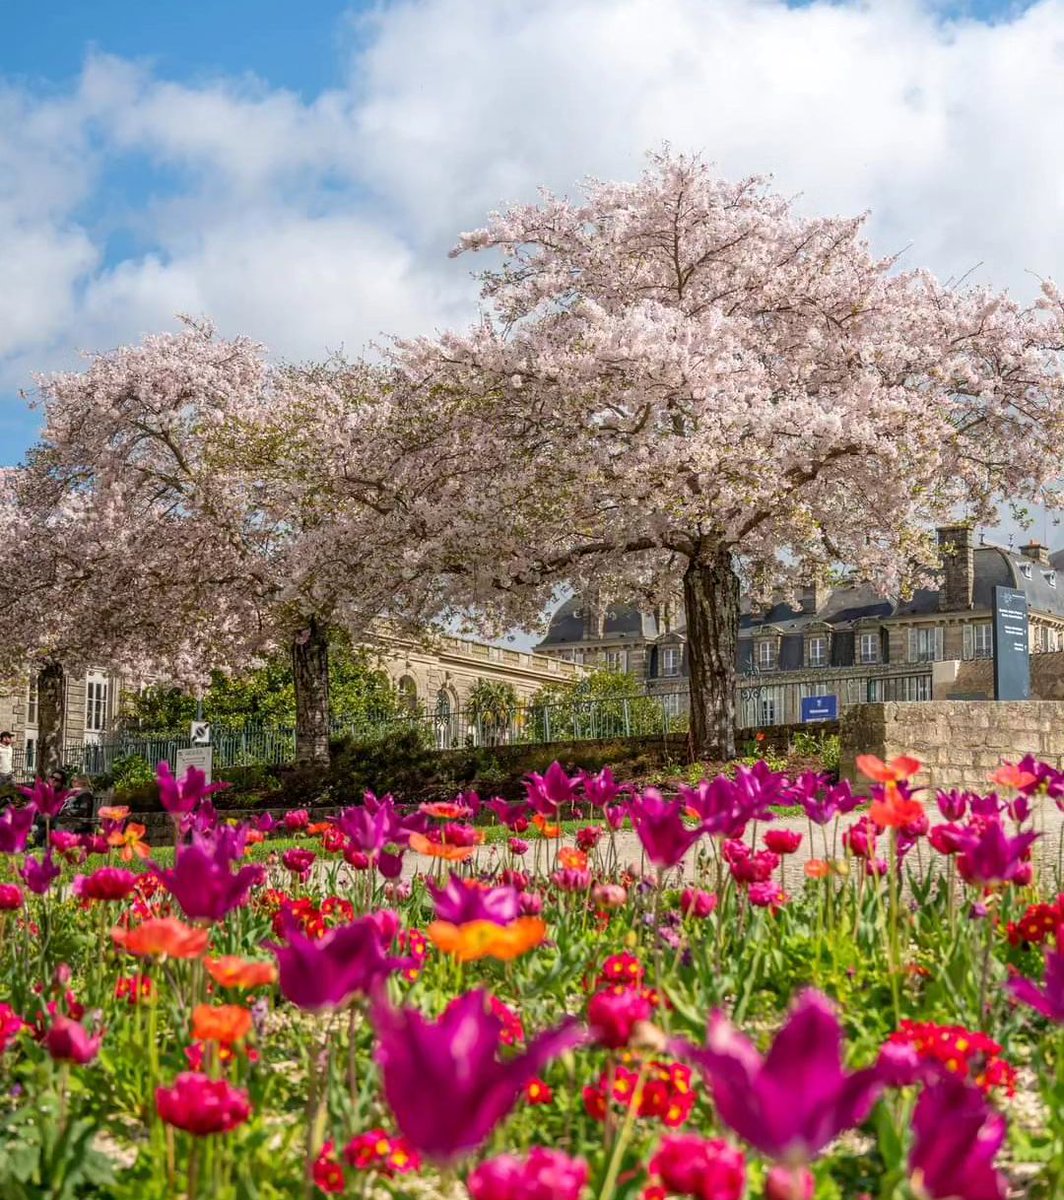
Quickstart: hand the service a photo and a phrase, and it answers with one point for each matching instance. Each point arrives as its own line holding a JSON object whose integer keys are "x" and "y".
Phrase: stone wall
{"x": 960, "y": 741}
{"x": 976, "y": 679}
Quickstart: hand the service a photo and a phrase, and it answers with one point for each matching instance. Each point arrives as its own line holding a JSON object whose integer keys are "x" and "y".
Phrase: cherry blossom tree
{"x": 702, "y": 388}
{"x": 190, "y": 507}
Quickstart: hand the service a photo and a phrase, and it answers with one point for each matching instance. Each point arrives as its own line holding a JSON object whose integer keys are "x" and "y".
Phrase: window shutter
{"x": 969, "y": 647}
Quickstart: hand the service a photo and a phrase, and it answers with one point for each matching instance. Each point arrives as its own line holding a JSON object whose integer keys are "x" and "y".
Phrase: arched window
{"x": 407, "y": 689}
{"x": 446, "y": 720}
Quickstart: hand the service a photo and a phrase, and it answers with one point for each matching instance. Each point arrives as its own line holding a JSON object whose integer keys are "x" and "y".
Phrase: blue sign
{"x": 1012, "y": 653}
{"x": 819, "y": 708}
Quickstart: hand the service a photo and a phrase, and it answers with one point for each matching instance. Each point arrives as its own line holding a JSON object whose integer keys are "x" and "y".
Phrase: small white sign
{"x": 201, "y": 733}
{"x": 199, "y": 757}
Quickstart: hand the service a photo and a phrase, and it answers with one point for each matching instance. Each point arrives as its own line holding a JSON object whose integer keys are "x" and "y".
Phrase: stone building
{"x": 434, "y": 678}
{"x": 846, "y": 641}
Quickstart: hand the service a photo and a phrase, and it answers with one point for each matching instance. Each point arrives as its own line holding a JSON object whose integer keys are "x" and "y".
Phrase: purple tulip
{"x": 444, "y": 1080}
{"x": 69, "y": 1041}
{"x": 716, "y": 804}
{"x": 1047, "y": 779}
{"x": 46, "y": 799}
{"x": 180, "y": 796}
{"x": 758, "y": 788}
{"x": 821, "y": 801}
{"x": 792, "y": 1103}
{"x": 201, "y": 880}
{"x": 956, "y": 1137}
{"x": 465, "y": 900}
{"x": 659, "y": 825}
{"x": 15, "y": 826}
{"x": 38, "y": 876}
{"x": 952, "y": 805}
{"x": 1049, "y": 999}
{"x": 507, "y": 814}
{"x": 325, "y": 973}
{"x": 985, "y": 806}
{"x": 548, "y": 792}
{"x": 266, "y": 823}
{"x": 602, "y": 789}
{"x": 993, "y": 857}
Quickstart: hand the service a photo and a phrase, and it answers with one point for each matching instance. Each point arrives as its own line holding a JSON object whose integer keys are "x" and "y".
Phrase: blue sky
{"x": 298, "y": 171}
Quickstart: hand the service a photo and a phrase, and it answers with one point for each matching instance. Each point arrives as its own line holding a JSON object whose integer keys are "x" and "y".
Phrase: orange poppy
{"x": 254, "y": 836}
{"x": 895, "y": 771}
{"x": 162, "y": 937}
{"x": 1012, "y": 776}
{"x": 817, "y": 868}
{"x": 131, "y": 841}
{"x": 892, "y": 810}
{"x": 484, "y": 939}
{"x": 113, "y": 812}
{"x": 445, "y": 812}
{"x": 545, "y": 827}
{"x": 319, "y": 827}
{"x": 222, "y": 1023}
{"x": 229, "y": 971}
{"x": 574, "y": 859}
{"x": 422, "y": 845}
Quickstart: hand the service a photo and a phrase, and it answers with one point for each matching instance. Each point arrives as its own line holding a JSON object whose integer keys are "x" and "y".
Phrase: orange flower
{"x": 230, "y": 971}
{"x": 817, "y": 868}
{"x": 1009, "y": 775}
{"x": 895, "y": 771}
{"x": 485, "y": 939}
{"x": 162, "y": 937}
{"x": 892, "y": 810}
{"x": 545, "y": 827}
{"x": 575, "y": 859}
{"x": 254, "y": 836}
{"x": 113, "y": 812}
{"x": 422, "y": 845}
{"x": 130, "y": 839}
{"x": 319, "y": 827}
{"x": 223, "y": 1023}
{"x": 445, "y": 812}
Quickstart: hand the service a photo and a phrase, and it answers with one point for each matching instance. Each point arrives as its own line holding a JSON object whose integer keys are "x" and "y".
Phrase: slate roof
{"x": 843, "y": 607}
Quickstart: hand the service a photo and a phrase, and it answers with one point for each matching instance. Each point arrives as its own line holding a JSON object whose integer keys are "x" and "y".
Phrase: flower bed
{"x": 374, "y": 1011}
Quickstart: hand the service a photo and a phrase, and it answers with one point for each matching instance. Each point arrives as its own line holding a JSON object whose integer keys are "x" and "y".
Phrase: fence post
{"x": 626, "y": 708}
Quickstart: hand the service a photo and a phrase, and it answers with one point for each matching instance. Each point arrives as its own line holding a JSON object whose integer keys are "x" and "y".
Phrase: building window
{"x": 1025, "y": 570}
{"x": 616, "y": 660}
{"x": 1052, "y": 640}
{"x": 407, "y": 695}
{"x": 909, "y": 687}
{"x": 868, "y": 648}
{"x": 766, "y": 654}
{"x": 96, "y": 704}
{"x": 1051, "y": 578}
{"x": 979, "y": 640}
{"x": 768, "y": 710}
{"x": 670, "y": 660}
{"x": 818, "y": 651}
{"x": 815, "y": 689}
{"x": 925, "y": 644}
{"x": 31, "y": 701}
{"x": 673, "y": 703}
{"x": 31, "y": 752}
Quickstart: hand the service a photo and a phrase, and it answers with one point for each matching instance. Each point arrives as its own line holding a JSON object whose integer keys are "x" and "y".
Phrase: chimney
{"x": 958, "y": 568}
{"x": 1036, "y": 552}
{"x": 813, "y": 596}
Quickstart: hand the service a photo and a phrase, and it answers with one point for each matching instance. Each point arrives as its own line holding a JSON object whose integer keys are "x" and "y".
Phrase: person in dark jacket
{"x": 79, "y": 812}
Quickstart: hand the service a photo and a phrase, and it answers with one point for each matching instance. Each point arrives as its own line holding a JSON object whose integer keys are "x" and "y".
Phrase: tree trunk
{"x": 711, "y": 606}
{"x": 310, "y": 673}
{"x": 51, "y": 718}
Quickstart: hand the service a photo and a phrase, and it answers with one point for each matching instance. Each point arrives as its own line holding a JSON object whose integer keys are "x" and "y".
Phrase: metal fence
{"x": 762, "y": 701}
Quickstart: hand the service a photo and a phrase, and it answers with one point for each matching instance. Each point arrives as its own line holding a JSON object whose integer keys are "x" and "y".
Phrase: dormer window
{"x": 1051, "y": 578}
{"x": 766, "y": 654}
{"x": 1026, "y": 570}
{"x": 818, "y": 651}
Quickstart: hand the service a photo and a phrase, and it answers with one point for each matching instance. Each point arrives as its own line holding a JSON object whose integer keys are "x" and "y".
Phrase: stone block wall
{"x": 976, "y": 678}
{"x": 960, "y": 741}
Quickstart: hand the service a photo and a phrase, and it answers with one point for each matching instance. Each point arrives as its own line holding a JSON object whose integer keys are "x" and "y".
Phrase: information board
{"x": 1012, "y": 651}
{"x": 199, "y": 757}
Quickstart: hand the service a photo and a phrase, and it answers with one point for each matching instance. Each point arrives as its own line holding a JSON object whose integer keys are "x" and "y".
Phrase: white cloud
{"x": 321, "y": 224}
